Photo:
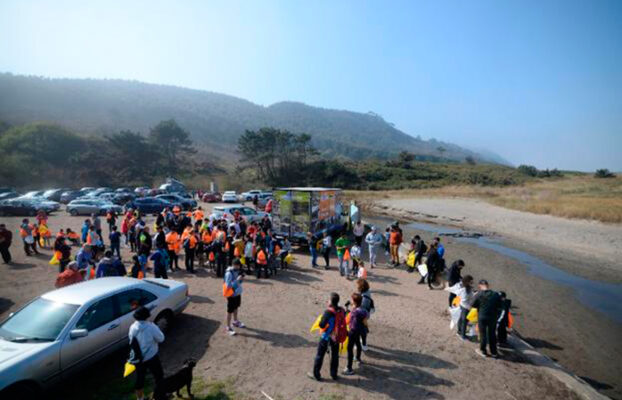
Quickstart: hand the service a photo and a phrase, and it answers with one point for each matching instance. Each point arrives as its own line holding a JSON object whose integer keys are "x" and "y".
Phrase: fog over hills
{"x": 215, "y": 120}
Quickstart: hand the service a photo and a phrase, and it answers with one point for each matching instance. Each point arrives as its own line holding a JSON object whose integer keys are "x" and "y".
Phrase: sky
{"x": 537, "y": 82}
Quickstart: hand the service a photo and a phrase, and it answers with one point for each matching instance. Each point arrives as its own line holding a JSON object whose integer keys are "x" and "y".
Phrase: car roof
{"x": 84, "y": 292}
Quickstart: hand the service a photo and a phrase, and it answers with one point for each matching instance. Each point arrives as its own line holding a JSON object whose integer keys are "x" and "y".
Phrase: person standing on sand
{"x": 395, "y": 240}
{"x": 463, "y": 289}
{"x": 453, "y": 277}
{"x": 373, "y": 240}
{"x": 367, "y": 304}
{"x": 359, "y": 231}
{"x": 342, "y": 245}
{"x": 327, "y": 244}
{"x": 358, "y": 324}
{"x": 6, "y": 237}
{"x": 26, "y": 232}
{"x": 488, "y": 304}
{"x": 313, "y": 240}
{"x": 144, "y": 339}
{"x": 234, "y": 280}
{"x": 328, "y": 327}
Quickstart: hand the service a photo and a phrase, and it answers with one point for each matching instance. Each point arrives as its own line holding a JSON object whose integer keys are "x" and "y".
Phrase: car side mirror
{"x": 78, "y": 333}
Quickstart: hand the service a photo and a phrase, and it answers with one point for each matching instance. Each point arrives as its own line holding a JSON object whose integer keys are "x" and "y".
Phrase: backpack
{"x": 340, "y": 330}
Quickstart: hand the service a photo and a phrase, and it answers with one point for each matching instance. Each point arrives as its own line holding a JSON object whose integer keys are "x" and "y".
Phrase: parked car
{"x": 123, "y": 198}
{"x": 172, "y": 185}
{"x": 33, "y": 194}
{"x": 230, "y": 197}
{"x": 250, "y": 195}
{"x": 142, "y": 191}
{"x": 155, "y": 192}
{"x": 88, "y": 188}
{"x": 123, "y": 190}
{"x": 148, "y": 205}
{"x": 183, "y": 202}
{"x": 212, "y": 197}
{"x": 68, "y": 329}
{"x": 229, "y": 211}
{"x": 92, "y": 206}
{"x": 41, "y": 203}
{"x": 54, "y": 194}
{"x": 98, "y": 192}
{"x": 19, "y": 208}
{"x": 9, "y": 195}
{"x": 70, "y": 195}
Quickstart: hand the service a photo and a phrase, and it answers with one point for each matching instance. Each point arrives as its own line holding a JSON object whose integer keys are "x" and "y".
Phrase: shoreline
{"x": 550, "y": 316}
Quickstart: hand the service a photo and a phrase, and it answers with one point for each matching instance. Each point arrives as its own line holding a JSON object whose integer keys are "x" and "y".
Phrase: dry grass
{"x": 575, "y": 196}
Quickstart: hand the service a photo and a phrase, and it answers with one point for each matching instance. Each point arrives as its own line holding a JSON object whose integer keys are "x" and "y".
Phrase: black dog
{"x": 178, "y": 380}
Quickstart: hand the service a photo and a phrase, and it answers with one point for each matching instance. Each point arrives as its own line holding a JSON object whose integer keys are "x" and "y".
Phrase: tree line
{"x": 48, "y": 154}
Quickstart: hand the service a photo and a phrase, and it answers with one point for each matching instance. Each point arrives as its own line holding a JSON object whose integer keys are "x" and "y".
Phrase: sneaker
{"x": 364, "y": 348}
{"x": 239, "y": 324}
{"x": 495, "y": 356}
{"x": 481, "y": 353}
{"x": 315, "y": 378}
{"x": 348, "y": 372}
{"x": 230, "y": 331}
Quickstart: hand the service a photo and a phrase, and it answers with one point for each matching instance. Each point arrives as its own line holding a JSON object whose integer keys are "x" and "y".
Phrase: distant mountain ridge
{"x": 215, "y": 120}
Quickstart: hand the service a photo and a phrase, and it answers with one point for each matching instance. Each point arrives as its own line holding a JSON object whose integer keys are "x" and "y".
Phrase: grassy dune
{"x": 574, "y": 196}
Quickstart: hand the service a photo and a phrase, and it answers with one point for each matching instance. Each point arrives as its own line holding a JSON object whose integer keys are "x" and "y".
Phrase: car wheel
{"x": 164, "y": 320}
{"x": 73, "y": 212}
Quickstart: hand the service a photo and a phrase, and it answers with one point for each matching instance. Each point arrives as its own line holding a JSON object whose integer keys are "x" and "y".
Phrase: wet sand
{"x": 549, "y": 315}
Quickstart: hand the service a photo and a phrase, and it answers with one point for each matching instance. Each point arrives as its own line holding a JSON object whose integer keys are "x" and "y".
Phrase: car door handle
{"x": 113, "y": 326}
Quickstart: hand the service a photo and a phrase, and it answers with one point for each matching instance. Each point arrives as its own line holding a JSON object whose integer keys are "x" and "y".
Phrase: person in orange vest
{"x": 173, "y": 242}
{"x": 198, "y": 214}
{"x": 73, "y": 237}
{"x": 205, "y": 239}
{"x": 190, "y": 245}
{"x": 261, "y": 261}
{"x": 27, "y": 235}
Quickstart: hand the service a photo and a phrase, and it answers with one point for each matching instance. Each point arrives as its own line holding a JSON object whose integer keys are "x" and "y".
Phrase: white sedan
{"x": 229, "y": 197}
{"x": 65, "y": 330}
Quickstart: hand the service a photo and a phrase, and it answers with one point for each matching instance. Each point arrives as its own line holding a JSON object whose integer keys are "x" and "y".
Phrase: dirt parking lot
{"x": 413, "y": 354}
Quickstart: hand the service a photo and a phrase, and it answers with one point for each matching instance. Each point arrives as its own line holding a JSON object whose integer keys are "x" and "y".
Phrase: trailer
{"x": 298, "y": 210}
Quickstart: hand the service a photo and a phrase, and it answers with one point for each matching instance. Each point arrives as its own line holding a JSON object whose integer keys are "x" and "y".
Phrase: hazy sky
{"x": 538, "y": 82}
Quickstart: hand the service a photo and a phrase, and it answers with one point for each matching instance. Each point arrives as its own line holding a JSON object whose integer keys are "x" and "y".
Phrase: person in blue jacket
{"x": 233, "y": 280}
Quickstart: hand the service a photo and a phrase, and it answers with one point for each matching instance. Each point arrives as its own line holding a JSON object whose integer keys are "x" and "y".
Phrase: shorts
{"x": 233, "y": 303}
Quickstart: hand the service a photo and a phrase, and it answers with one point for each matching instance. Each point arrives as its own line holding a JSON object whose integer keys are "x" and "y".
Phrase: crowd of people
{"x": 232, "y": 247}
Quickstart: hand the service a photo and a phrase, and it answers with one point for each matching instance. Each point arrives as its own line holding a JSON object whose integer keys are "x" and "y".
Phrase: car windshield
{"x": 40, "y": 320}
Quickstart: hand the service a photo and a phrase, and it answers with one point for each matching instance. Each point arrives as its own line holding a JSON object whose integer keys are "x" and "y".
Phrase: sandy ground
{"x": 579, "y": 238}
{"x": 413, "y": 353}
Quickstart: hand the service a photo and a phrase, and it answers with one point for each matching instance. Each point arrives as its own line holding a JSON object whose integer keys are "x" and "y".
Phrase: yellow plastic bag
{"x": 41, "y": 242}
{"x": 316, "y": 324}
{"x": 243, "y": 260}
{"x": 289, "y": 258}
{"x": 343, "y": 347}
{"x": 410, "y": 261}
{"x": 472, "y": 315}
{"x": 54, "y": 260}
{"x": 129, "y": 368}
{"x": 456, "y": 301}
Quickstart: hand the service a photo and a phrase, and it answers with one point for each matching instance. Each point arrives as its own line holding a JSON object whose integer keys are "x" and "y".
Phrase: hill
{"x": 215, "y": 120}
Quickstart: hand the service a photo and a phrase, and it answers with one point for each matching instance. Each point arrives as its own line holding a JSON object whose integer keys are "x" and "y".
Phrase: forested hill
{"x": 215, "y": 120}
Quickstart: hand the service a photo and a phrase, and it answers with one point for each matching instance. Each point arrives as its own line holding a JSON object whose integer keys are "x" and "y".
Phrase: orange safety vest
{"x": 173, "y": 242}
{"x": 206, "y": 237}
{"x": 192, "y": 241}
{"x": 261, "y": 257}
{"x": 198, "y": 215}
{"x": 73, "y": 235}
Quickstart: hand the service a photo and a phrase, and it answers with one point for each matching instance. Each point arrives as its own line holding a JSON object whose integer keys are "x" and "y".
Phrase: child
{"x": 285, "y": 250}
{"x": 115, "y": 241}
{"x": 139, "y": 268}
{"x": 358, "y": 324}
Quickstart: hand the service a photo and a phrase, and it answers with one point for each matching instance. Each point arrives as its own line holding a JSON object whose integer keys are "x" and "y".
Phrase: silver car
{"x": 65, "y": 330}
{"x": 86, "y": 206}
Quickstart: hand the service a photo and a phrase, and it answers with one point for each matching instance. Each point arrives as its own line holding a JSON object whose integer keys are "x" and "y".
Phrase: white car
{"x": 250, "y": 195}
{"x": 228, "y": 212}
{"x": 65, "y": 330}
{"x": 229, "y": 197}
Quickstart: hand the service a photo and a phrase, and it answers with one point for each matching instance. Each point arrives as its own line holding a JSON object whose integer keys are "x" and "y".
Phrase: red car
{"x": 212, "y": 197}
